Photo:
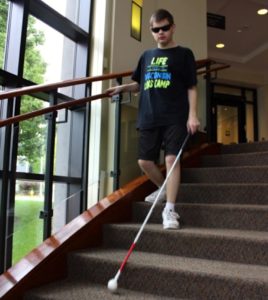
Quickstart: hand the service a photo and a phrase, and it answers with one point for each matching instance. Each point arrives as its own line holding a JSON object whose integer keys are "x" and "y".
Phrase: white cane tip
{"x": 112, "y": 285}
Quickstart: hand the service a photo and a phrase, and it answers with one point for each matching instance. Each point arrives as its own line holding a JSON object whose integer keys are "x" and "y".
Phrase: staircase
{"x": 221, "y": 252}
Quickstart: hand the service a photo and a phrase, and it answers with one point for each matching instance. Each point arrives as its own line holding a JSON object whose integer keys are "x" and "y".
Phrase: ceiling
{"x": 245, "y": 38}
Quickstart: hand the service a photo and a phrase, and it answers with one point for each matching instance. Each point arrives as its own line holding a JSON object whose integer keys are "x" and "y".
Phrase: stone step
{"x": 245, "y": 147}
{"x": 243, "y": 174}
{"x": 247, "y": 247}
{"x": 229, "y": 216}
{"x": 172, "y": 276}
{"x": 221, "y": 193}
{"x": 240, "y": 159}
{"x": 85, "y": 290}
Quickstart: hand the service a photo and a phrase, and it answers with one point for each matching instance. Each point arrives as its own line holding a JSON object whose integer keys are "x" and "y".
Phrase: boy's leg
{"x": 173, "y": 137}
{"x": 170, "y": 217}
{"x": 149, "y": 147}
{"x": 152, "y": 171}
{"x": 156, "y": 176}
{"x": 173, "y": 182}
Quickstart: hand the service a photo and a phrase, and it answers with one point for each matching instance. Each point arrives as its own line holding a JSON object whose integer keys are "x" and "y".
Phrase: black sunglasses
{"x": 163, "y": 28}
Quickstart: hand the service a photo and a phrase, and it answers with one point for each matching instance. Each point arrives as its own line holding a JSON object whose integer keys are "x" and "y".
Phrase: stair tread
{"x": 251, "y": 167}
{"x": 203, "y": 267}
{"x": 256, "y": 146}
{"x": 252, "y": 153}
{"x": 234, "y": 184}
{"x": 253, "y": 207}
{"x": 200, "y": 232}
{"x": 74, "y": 290}
{"x": 231, "y": 206}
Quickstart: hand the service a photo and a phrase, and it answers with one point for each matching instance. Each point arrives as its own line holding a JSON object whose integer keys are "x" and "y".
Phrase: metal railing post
{"x": 117, "y": 138}
{"x": 84, "y": 196}
{"x": 5, "y": 190}
{"x": 47, "y": 214}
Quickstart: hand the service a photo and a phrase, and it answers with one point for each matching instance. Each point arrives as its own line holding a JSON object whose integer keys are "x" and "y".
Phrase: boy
{"x": 166, "y": 79}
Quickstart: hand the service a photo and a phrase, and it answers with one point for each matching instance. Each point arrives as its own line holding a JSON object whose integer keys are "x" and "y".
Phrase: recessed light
{"x": 220, "y": 45}
{"x": 262, "y": 12}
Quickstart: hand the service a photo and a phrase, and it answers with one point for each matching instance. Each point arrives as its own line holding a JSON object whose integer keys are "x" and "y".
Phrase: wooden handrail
{"x": 213, "y": 69}
{"x": 52, "y": 86}
{"x": 46, "y": 87}
{"x": 65, "y": 83}
{"x": 49, "y": 109}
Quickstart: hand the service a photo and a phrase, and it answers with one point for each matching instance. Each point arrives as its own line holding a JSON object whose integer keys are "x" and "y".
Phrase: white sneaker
{"x": 170, "y": 219}
{"x": 152, "y": 197}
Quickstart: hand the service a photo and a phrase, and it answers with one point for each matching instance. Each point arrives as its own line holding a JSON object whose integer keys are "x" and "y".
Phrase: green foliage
{"x": 34, "y": 65}
{"x": 32, "y": 132}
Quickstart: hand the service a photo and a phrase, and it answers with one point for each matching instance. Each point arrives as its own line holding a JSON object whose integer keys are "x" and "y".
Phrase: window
{"x": 3, "y": 28}
{"x": 47, "y": 42}
{"x": 47, "y": 52}
{"x": 67, "y": 8}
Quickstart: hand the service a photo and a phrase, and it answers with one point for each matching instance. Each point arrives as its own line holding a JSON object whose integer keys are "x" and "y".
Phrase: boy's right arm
{"x": 133, "y": 87}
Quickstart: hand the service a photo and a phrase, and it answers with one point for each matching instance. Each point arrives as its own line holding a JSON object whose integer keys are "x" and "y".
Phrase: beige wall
{"x": 191, "y": 31}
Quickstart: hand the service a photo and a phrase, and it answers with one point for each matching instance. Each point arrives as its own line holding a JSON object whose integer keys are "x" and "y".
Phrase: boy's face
{"x": 162, "y": 33}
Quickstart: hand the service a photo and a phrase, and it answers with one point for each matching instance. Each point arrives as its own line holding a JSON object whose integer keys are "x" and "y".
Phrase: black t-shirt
{"x": 164, "y": 76}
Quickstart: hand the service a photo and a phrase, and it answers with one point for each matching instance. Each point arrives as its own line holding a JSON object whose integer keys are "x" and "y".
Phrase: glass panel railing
{"x": 28, "y": 227}
{"x": 29, "y": 202}
{"x": 129, "y": 144}
{"x": 66, "y": 204}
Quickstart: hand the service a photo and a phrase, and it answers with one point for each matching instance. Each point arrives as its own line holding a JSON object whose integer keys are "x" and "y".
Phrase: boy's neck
{"x": 172, "y": 44}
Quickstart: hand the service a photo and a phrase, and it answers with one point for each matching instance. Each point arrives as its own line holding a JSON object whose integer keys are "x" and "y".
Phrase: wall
{"x": 191, "y": 30}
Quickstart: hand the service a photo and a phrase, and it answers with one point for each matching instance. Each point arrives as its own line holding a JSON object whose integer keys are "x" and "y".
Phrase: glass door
{"x": 229, "y": 119}
{"x": 227, "y": 124}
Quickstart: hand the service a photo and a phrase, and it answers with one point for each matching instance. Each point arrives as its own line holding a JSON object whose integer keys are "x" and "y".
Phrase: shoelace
{"x": 173, "y": 215}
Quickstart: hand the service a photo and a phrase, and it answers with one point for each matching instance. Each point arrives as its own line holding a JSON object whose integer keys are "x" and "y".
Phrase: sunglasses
{"x": 163, "y": 28}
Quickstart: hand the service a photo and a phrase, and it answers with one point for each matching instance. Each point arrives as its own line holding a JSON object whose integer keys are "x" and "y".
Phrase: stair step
{"x": 240, "y": 159}
{"x": 248, "y": 247}
{"x": 236, "y": 193}
{"x": 226, "y": 174}
{"x": 219, "y": 253}
{"x": 245, "y": 147}
{"x": 245, "y": 217}
{"x": 183, "y": 277}
{"x": 84, "y": 290}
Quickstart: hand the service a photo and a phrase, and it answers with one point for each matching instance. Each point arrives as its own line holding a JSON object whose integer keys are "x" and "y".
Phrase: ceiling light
{"x": 220, "y": 45}
{"x": 262, "y": 11}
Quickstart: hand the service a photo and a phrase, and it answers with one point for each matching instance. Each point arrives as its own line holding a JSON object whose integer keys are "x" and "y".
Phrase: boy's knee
{"x": 170, "y": 159}
{"x": 145, "y": 164}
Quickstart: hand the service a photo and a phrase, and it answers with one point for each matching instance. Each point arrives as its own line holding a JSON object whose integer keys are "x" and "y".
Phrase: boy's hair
{"x": 160, "y": 15}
